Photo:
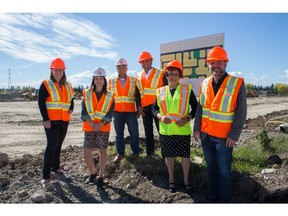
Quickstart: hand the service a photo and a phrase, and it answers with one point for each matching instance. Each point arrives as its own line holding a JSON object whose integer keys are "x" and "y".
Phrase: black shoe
{"x": 150, "y": 155}
{"x": 188, "y": 188}
{"x": 91, "y": 179}
{"x": 172, "y": 187}
{"x": 58, "y": 171}
{"x": 100, "y": 182}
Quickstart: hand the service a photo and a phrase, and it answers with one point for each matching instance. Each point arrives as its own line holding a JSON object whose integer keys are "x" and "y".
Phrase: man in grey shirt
{"x": 219, "y": 120}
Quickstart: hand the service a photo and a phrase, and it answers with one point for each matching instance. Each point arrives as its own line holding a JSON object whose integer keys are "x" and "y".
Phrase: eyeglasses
{"x": 172, "y": 75}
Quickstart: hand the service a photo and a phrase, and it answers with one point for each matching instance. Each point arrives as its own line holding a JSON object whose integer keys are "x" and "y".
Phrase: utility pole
{"x": 9, "y": 81}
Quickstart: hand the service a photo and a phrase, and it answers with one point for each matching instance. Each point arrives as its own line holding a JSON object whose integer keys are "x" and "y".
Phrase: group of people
{"x": 156, "y": 95}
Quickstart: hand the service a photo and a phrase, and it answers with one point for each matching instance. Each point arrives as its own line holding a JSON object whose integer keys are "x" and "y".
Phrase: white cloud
{"x": 285, "y": 74}
{"x": 41, "y": 37}
{"x": 82, "y": 78}
{"x": 236, "y": 73}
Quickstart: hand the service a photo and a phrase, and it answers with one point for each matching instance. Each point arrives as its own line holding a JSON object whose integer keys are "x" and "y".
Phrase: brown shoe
{"x": 117, "y": 159}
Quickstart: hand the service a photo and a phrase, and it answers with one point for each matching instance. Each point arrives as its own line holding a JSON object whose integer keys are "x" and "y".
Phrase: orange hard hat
{"x": 175, "y": 64}
{"x": 57, "y": 63}
{"x": 144, "y": 56}
{"x": 217, "y": 53}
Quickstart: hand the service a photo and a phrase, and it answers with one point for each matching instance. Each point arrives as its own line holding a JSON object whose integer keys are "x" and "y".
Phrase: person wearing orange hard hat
{"x": 175, "y": 106}
{"x": 56, "y": 105}
{"x": 219, "y": 120}
{"x": 148, "y": 81}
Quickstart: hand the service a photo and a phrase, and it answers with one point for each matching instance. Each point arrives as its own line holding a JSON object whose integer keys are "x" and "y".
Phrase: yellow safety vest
{"x": 175, "y": 108}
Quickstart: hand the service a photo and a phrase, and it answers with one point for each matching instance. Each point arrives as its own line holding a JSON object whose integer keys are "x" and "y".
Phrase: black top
{"x": 192, "y": 102}
{"x": 42, "y": 97}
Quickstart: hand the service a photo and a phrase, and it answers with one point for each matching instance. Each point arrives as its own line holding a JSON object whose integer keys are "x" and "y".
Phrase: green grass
{"x": 252, "y": 157}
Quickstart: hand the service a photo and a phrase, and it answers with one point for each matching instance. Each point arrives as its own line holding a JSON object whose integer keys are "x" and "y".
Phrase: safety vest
{"x": 218, "y": 110}
{"x": 59, "y": 101}
{"x": 124, "y": 97}
{"x": 147, "y": 87}
{"x": 175, "y": 108}
{"x": 97, "y": 109}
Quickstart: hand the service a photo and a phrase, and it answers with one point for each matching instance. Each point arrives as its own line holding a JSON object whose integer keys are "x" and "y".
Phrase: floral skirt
{"x": 96, "y": 139}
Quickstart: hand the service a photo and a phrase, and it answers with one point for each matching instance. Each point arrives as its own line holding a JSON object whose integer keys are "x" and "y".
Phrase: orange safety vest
{"x": 147, "y": 87}
{"x": 124, "y": 97}
{"x": 218, "y": 110}
{"x": 97, "y": 109}
{"x": 59, "y": 101}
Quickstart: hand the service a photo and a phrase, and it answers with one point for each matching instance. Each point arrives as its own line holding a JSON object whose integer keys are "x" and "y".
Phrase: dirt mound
{"x": 133, "y": 180}
{"x": 269, "y": 121}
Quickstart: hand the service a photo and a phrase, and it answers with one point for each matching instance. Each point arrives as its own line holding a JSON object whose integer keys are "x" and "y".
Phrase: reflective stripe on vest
{"x": 225, "y": 104}
{"x": 218, "y": 116}
{"x": 53, "y": 90}
{"x": 202, "y": 98}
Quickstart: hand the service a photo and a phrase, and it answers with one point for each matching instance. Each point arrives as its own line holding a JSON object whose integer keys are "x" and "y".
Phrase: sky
{"x": 256, "y": 43}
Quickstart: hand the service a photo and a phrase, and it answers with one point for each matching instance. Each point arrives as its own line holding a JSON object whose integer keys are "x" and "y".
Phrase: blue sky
{"x": 256, "y": 42}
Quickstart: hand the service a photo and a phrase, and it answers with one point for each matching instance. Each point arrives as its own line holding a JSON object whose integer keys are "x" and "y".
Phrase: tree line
{"x": 280, "y": 89}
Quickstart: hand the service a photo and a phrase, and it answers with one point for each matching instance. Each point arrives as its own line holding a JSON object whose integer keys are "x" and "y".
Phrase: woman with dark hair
{"x": 55, "y": 102}
{"x": 97, "y": 109}
{"x": 175, "y": 106}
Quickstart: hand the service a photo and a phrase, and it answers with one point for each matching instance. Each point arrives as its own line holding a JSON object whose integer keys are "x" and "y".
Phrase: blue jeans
{"x": 218, "y": 158}
{"x": 130, "y": 118}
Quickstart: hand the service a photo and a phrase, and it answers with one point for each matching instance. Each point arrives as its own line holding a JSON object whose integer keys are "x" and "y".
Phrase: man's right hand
{"x": 140, "y": 111}
{"x": 196, "y": 135}
{"x": 47, "y": 124}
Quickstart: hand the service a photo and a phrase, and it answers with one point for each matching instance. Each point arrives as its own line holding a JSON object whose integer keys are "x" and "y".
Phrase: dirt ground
{"x": 134, "y": 180}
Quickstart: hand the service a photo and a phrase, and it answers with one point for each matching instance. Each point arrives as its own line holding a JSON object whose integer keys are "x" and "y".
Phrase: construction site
{"x": 139, "y": 180}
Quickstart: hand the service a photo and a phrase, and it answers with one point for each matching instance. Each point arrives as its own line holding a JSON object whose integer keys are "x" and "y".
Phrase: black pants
{"x": 148, "y": 127}
{"x": 55, "y": 137}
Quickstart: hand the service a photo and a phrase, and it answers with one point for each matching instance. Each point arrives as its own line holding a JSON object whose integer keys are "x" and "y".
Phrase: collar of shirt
{"x": 148, "y": 74}
{"x": 221, "y": 79}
